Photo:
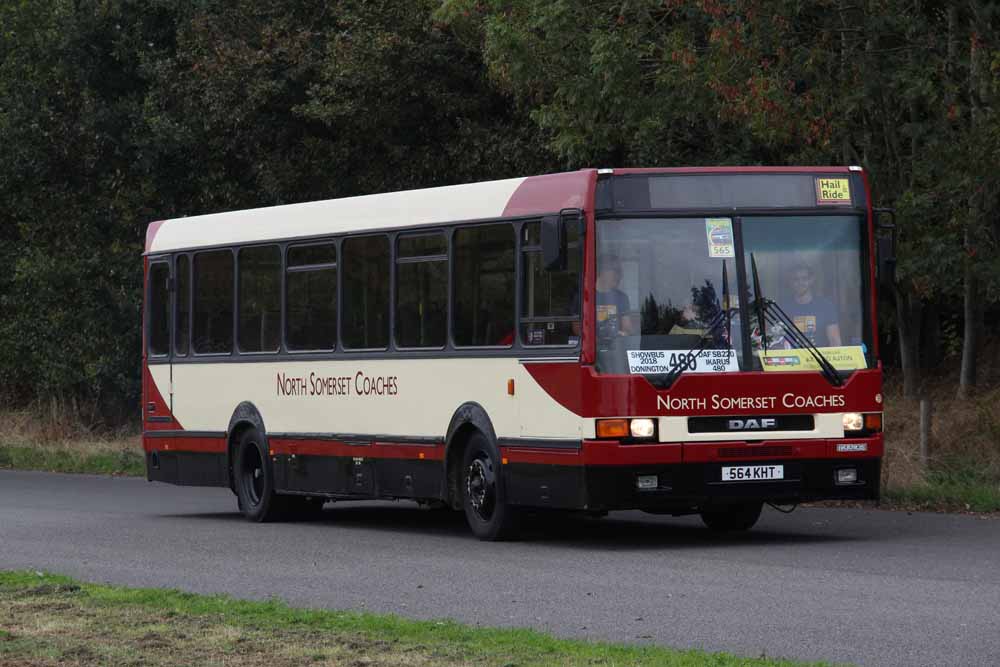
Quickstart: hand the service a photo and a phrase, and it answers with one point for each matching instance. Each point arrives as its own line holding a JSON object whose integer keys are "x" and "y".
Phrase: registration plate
{"x": 752, "y": 473}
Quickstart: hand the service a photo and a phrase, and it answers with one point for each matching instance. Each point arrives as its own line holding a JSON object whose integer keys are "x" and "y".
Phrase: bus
{"x": 679, "y": 341}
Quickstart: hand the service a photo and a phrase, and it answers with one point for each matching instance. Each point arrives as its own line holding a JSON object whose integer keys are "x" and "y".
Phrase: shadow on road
{"x": 623, "y": 530}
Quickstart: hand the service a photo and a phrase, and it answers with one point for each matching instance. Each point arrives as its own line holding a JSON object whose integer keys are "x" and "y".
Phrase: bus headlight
{"x": 854, "y": 421}
{"x": 642, "y": 428}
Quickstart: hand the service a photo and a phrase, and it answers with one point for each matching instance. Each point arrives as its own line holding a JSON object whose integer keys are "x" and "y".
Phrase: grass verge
{"x": 123, "y": 462}
{"x": 962, "y": 490}
{"x": 54, "y": 620}
{"x": 56, "y": 440}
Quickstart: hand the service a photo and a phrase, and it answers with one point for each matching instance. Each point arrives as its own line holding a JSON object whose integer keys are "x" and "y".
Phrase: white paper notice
{"x": 649, "y": 362}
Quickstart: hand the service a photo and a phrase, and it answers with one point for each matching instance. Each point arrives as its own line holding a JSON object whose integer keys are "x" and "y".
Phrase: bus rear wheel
{"x": 732, "y": 518}
{"x": 255, "y": 480}
{"x": 486, "y": 510}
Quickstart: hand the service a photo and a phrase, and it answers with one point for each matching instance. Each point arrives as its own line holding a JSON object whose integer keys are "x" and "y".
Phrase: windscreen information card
{"x": 656, "y": 362}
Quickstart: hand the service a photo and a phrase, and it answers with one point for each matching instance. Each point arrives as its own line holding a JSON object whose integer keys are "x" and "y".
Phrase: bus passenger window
{"x": 422, "y": 291}
{"x": 159, "y": 308}
{"x": 550, "y": 300}
{"x": 260, "y": 299}
{"x": 311, "y": 297}
{"x": 182, "y": 325}
{"x": 213, "y": 302}
{"x": 366, "y": 292}
{"x": 484, "y": 286}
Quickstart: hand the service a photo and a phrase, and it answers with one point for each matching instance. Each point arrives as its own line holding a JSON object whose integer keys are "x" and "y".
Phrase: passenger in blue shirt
{"x": 814, "y": 315}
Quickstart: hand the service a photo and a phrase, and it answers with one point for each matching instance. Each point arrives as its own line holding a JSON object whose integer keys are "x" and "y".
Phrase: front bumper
{"x": 699, "y": 484}
{"x": 603, "y": 475}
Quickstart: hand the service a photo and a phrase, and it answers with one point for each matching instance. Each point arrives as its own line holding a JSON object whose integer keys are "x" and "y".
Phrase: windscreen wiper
{"x": 770, "y": 311}
{"x": 724, "y": 316}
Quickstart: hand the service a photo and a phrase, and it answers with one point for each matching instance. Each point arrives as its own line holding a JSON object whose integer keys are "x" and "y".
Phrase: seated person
{"x": 813, "y": 315}
{"x": 612, "y": 303}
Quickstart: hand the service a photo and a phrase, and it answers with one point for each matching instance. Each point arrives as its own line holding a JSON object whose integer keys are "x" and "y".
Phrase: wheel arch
{"x": 469, "y": 418}
{"x": 245, "y": 416}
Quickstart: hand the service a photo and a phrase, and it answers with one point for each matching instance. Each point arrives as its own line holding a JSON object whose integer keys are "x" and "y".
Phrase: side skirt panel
{"x": 361, "y": 478}
{"x": 187, "y": 468}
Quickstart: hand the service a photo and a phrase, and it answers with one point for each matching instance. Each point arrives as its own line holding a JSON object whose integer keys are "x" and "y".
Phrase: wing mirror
{"x": 885, "y": 248}
{"x": 554, "y": 237}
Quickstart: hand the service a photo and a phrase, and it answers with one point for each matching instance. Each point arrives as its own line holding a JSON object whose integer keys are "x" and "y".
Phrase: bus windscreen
{"x": 665, "y": 302}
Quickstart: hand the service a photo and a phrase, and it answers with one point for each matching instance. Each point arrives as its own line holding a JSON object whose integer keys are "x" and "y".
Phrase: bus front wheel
{"x": 732, "y": 518}
{"x": 255, "y": 479}
{"x": 483, "y": 497}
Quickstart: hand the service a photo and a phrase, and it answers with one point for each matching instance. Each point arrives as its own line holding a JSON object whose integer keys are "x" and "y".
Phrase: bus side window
{"x": 483, "y": 312}
{"x": 422, "y": 290}
{"x": 550, "y": 300}
{"x": 311, "y": 297}
{"x": 213, "y": 302}
{"x": 259, "y": 277}
{"x": 159, "y": 308}
{"x": 182, "y": 325}
{"x": 366, "y": 292}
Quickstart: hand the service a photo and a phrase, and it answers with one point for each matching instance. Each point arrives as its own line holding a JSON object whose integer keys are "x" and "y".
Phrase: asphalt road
{"x": 862, "y": 586}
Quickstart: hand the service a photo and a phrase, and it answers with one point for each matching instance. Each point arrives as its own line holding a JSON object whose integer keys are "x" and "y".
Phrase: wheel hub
{"x": 481, "y": 488}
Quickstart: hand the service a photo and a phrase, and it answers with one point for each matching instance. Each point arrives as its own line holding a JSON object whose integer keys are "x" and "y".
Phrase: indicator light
{"x": 612, "y": 428}
{"x": 873, "y": 421}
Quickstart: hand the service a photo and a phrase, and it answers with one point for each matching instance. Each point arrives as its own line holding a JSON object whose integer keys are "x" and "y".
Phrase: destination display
{"x": 653, "y": 362}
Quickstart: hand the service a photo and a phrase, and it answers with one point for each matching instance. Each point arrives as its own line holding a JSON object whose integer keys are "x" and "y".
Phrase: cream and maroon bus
{"x": 674, "y": 340}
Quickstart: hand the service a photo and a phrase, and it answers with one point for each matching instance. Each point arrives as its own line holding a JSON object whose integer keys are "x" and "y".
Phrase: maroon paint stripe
{"x": 731, "y": 170}
{"x": 199, "y": 445}
{"x": 613, "y": 453}
{"x": 151, "y": 231}
{"x": 551, "y": 193}
{"x": 372, "y": 450}
{"x": 581, "y": 390}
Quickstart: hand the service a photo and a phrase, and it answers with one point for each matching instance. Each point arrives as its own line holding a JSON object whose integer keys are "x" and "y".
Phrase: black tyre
{"x": 486, "y": 509}
{"x": 255, "y": 480}
{"x": 732, "y": 518}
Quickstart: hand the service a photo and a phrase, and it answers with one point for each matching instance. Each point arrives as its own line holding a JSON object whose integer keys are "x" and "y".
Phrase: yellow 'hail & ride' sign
{"x": 833, "y": 190}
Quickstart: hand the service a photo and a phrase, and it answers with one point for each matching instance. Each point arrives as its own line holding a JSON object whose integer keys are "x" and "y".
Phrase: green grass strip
{"x": 452, "y": 642}
{"x": 61, "y": 460}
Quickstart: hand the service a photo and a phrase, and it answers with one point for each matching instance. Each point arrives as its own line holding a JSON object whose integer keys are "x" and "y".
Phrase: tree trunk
{"x": 972, "y": 294}
{"x": 930, "y": 337}
{"x": 970, "y": 342}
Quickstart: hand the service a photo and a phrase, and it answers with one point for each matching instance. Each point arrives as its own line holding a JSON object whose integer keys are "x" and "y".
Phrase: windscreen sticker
{"x": 720, "y": 238}
{"x": 833, "y": 190}
{"x": 654, "y": 362}
{"x": 847, "y": 358}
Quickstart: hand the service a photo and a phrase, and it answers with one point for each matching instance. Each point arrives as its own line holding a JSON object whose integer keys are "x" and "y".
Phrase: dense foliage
{"x": 114, "y": 113}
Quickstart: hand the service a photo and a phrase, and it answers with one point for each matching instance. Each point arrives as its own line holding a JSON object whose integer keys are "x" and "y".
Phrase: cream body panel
{"x": 428, "y": 393}
{"x": 451, "y": 203}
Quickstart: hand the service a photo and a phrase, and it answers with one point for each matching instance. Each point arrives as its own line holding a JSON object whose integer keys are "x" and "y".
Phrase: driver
{"x": 612, "y": 303}
{"x": 813, "y": 315}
